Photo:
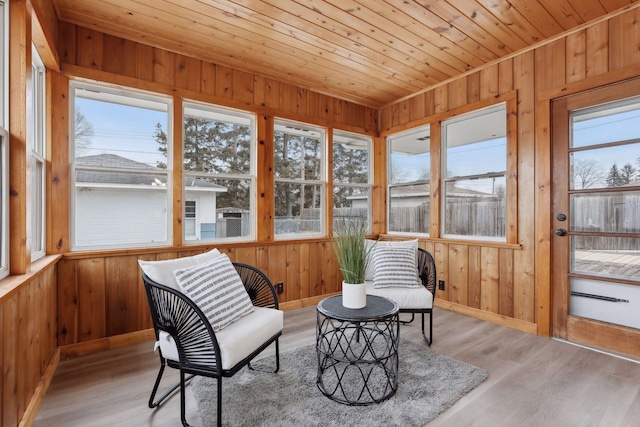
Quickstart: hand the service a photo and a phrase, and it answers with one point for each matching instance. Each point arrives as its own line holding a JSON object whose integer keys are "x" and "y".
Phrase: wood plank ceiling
{"x": 372, "y": 52}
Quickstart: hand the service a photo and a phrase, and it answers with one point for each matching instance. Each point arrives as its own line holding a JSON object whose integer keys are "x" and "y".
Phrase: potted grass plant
{"x": 352, "y": 252}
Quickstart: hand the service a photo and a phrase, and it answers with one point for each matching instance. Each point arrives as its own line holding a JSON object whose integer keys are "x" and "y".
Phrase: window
{"x": 299, "y": 153}
{"x": 219, "y": 173}
{"x": 37, "y": 158}
{"x": 121, "y": 147}
{"x": 4, "y": 141}
{"x": 474, "y": 174}
{"x": 409, "y": 175}
{"x": 351, "y": 177}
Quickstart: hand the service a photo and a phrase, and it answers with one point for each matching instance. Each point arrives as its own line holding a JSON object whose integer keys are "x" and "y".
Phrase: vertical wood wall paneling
{"x": 624, "y": 42}
{"x": 188, "y": 73}
{"x": 58, "y": 187}
{"x": 11, "y": 354}
{"x": 435, "y": 185}
{"x": 20, "y": 90}
{"x": 576, "y": 51}
{"x": 459, "y": 274}
{"x": 597, "y": 49}
{"x": 475, "y": 277}
{"x": 441, "y": 257}
{"x": 121, "y": 295}
{"x": 90, "y": 275}
{"x": 379, "y": 190}
{"x": 506, "y": 282}
{"x": 90, "y": 50}
{"x": 524, "y": 280}
{"x": 265, "y": 183}
{"x": 490, "y": 281}
{"x": 292, "y": 290}
{"x": 176, "y": 194}
{"x": 67, "y": 298}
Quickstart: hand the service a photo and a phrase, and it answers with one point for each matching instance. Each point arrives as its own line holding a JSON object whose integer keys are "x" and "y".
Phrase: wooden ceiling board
{"x": 371, "y": 52}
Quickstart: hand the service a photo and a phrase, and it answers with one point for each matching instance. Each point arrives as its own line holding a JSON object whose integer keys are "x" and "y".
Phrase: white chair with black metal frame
{"x": 416, "y": 299}
{"x": 187, "y": 341}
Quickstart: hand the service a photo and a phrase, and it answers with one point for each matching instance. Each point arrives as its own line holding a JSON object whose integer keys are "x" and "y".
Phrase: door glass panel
{"x": 604, "y": 203}
{"x": 614, "y": 166}
{"x": 616, "y": 121}
{"x": 615, "y": 212}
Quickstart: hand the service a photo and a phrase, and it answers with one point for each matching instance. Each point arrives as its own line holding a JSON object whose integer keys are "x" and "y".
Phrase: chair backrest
{"x": 176, "y": 314}
{"x": 426, "y": 270}
{"x": 258, "y": 286}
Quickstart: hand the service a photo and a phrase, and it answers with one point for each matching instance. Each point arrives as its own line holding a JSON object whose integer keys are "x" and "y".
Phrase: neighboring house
{"x": 123, "y": 200}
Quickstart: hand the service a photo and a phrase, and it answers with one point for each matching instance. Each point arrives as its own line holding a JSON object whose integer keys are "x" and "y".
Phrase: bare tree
{"x": 586, "y": 173}
{"x": 83, "y": 133}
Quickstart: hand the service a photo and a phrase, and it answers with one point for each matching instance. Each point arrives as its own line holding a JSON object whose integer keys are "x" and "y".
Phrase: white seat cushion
{"x": 239, "y": 339}
{"x": 406, "y": 298}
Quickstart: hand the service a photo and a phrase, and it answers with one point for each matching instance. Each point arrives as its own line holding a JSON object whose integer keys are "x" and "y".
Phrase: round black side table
{"x": 357, "y": 350}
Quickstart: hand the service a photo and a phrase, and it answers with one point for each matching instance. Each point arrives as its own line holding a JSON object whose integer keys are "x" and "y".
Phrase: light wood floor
{"x": 533, "y": 381}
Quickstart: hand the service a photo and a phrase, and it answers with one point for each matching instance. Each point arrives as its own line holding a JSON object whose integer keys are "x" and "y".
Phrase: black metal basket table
{"x": 357, "y": 350}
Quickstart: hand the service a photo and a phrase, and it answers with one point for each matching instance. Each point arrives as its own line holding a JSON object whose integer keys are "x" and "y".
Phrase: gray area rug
{"x": 428, "y": 384}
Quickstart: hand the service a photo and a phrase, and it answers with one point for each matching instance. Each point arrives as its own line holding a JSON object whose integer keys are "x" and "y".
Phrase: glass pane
{"x": 476, "y": 207}
{"x": 410, "y": 159}
{"x": 350, "y": 159}
{"x": 409, "y": 206}
{"x": 298, "y": 155}
{"x": 615, "y": 166}
{"x": 298, "y": 209}
{"x": 617, "y": 212}
{"x": 617, "y": 121}
{"x": 107, "y": 128}
{"x": 222, "y": 208}
{"x": 617, "y": 257}
{"x": 476, "y": 143}
{"x": 216, "y": 146}
{"x": 350, "y": 203}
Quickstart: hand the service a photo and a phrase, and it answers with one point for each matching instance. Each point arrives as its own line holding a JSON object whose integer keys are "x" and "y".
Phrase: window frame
{"x": 322, "y": 181}
{"x": 38, "y": 158}
{"x": 509, "y": 190}
{"x": 369, "y": 184}
{"x": 252, "y": 177}
{"x": 389, "y": 140}
{"x": 138, "y": 98}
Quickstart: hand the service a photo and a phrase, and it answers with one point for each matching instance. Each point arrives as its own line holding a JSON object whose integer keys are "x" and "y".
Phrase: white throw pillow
{"x": 395, "y": 266}
{"x": 399, "y": 244}
{"x": 216, "y": 288}
{"x": 162, "y": 271}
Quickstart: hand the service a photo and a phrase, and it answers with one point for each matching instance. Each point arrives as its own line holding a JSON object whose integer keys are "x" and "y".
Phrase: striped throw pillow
{"x": 216, "y": 288}
{"x": 394, "y": 267}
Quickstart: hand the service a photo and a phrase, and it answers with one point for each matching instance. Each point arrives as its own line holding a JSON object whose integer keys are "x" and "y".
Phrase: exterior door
{"x": 596, "y": 218}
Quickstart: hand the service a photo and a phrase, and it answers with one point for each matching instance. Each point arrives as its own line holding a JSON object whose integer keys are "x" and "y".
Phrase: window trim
{"x": 4, "y": 140}
{"x": 510, "y": 163}
{"x": 253, "y": 169}
{"x": 370, "y": 175}
{"x": 38, "y": 158}
{"x": 389, "y": 185}
{"x": 140, "y": 99}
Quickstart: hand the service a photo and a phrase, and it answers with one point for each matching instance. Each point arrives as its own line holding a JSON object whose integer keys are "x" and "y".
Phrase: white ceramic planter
{"x": 354, "y": 295}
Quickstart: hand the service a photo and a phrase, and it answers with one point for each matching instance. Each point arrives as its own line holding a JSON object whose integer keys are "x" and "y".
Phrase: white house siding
{"x": 108, "y": 216}
{"x": 205, "y": 208}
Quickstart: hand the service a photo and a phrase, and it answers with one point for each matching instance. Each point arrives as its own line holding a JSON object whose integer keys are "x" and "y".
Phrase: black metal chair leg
{"x": 183, "y": 405}
{"x": 277, "y": 361}
{"x": 219, "y": 402}
{"x": 430, "y": 339}
{"x": 155, "y": 404}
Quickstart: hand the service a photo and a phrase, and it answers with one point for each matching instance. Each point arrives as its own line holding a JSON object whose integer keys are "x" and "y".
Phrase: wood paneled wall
{"x": 27, "y": 337}
{"x": 514, "y": 284}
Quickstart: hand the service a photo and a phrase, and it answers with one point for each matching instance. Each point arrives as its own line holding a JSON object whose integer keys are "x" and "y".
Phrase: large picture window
{"x": 474, "y": 174}
{"x": 409, "y": 178}
{"x": 121, "y": 146}
{"x": 38, "y": 158}
{"x": 219, "y": 173}
{"x": 299, "y": 153}
{"x": 351, "y": 177}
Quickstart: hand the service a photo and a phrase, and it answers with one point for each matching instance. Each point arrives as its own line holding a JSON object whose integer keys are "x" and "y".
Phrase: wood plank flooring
{"x": 533, "y": 381}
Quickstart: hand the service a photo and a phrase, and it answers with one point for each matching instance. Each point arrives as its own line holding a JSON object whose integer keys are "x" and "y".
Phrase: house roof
{"x": 121, "y": 177}
{"x": 371, "y": 52}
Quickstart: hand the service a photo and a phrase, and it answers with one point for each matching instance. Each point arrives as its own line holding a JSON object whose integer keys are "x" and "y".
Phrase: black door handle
{"x": 561, "y": 231}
